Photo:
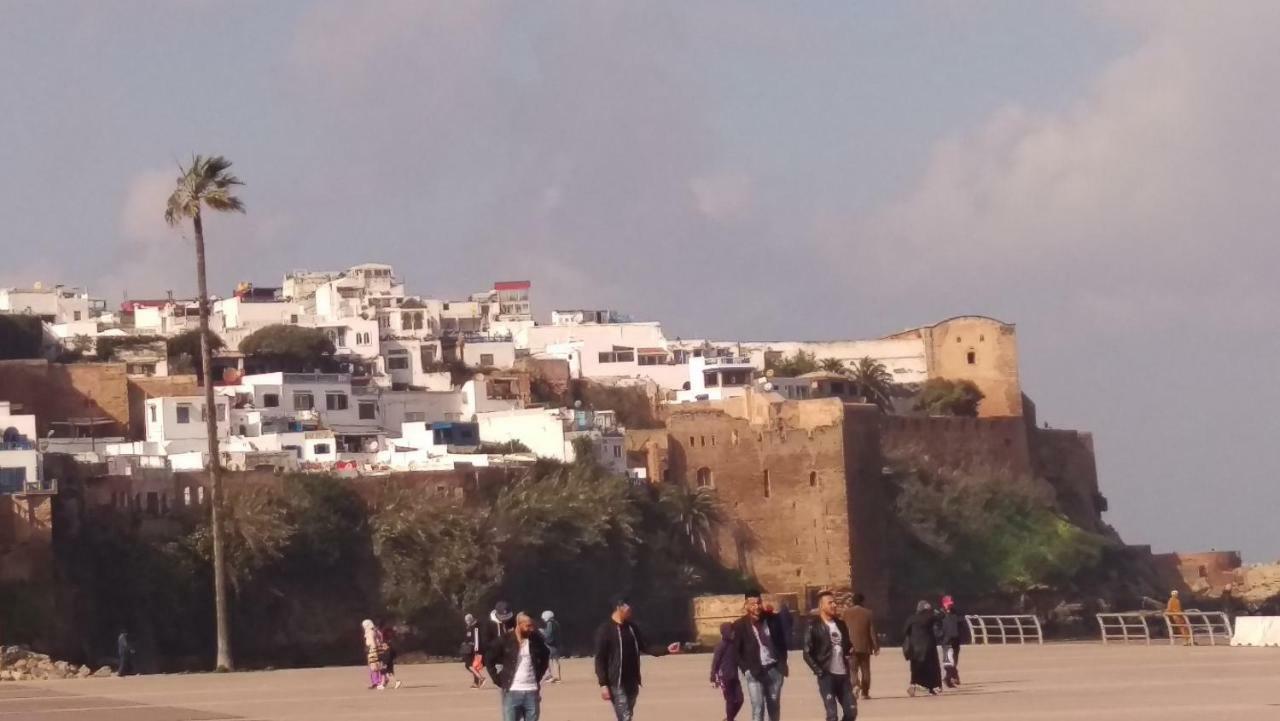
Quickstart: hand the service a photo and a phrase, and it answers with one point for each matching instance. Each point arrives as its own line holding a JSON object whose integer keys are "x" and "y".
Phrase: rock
{"x": 84, "y": 672}
{"x": 61, "y": 666}
{"x": 4, "y": 676}
{"x": 20, "y": 665}
{"x": 103, "y": 672}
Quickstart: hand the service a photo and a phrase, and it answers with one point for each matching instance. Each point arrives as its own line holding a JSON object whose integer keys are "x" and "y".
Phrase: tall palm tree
{"x": 831, "y": 365}
{"x": 206, "y": 183}
{"x": 874, "y": 382}
{"x": 693, "y": 513}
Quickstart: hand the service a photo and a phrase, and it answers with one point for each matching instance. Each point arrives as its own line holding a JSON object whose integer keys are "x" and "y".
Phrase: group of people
{"x": 518, "y": 656}
{"x": 931, "y": 644}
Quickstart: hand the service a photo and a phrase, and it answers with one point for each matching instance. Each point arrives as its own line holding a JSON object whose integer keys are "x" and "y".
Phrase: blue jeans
{"x": 766, "y": 694}
{"x": 624, "y": 702}
{"x": 520, "y": 705}
{"x": 837, "y": 694}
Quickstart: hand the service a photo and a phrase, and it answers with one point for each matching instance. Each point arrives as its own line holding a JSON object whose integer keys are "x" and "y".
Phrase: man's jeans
{"x": 766, "y": 694}
{"x": 837, "y": 693}
{"x": 520, "y": 705}
{"x": 624, "y": 702}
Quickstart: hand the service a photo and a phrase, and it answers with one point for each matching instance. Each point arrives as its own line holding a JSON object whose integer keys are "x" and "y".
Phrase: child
{"x": 724, "y": 673}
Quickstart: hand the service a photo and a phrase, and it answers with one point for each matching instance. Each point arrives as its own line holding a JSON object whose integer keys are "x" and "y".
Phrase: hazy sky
{"x": 1105, "y": 175}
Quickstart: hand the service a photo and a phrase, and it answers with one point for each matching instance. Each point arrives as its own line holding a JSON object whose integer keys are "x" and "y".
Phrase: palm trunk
{"x": 215, "y": 465}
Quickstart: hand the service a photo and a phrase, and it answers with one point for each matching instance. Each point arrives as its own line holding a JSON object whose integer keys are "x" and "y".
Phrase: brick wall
{"x": 55, "y": 392}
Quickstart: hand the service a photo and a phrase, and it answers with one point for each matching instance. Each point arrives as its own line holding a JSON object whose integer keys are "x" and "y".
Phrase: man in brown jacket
{"x": 862, "y": 632}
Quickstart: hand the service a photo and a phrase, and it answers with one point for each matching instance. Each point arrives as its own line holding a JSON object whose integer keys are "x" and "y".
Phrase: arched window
{"x": 972, "y": 357}
{"x": 704, "y": 477}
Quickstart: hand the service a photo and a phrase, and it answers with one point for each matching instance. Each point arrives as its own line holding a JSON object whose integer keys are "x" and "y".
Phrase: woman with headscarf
{"x": 920, "y": 647}
{"x": 372, "y": 641}
{"x": 551, "y": 634}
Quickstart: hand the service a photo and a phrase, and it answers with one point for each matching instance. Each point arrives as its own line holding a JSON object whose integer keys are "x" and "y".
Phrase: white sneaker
{"x": 911, "y": 690}
{"x": 397, "y": 683}
{"x": 382, "y": 687}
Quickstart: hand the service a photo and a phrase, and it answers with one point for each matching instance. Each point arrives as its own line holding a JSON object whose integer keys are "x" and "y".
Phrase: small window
{"x": 486, "y": 360}
{"x": 733, "y": 438}
{"x": 293, "y": 318}
{"x": 704, "y": 441}
{"x": 222, "y": 412}
{"x": 303, "y": 401}
{"x": 768, "y": 486}
{"x": 398, "y": 361}
{"x": 710, "y": 380}
{"x": 335, "y": 401}
{"x": 270, "y": 400}
{"x": 320, "y": 449}
{"x": 692, "y": 442}
{"x": 186, "y": 496}
{"x": 704, "y": 477}
{"x": 200, "y": 495}
{"x": 440, "y": 490}
{"x": 972, "y": 357}
{"x": 368, "y": 410}
{"x": 77, "y": 315}
{"x": 184, "y": 412}
{"x": 415, "y": 417}
{"x": 153, "y": 413}
{"x": 617, "y": 451}
{"x": 713, "y": 440}
{"x": 204, "y": 414}
{"x": 813, "y": 479}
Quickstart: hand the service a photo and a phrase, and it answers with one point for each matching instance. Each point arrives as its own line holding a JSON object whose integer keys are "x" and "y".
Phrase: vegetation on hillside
{"x": 308, "y": 559}
{"x": 792, "y": 366}
{"x": 631, "y": 405}
{"x": 290, "y": 348}
{"x": 947, "y": 397}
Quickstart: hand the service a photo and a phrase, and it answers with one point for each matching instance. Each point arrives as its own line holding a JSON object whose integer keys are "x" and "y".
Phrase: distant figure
{"x": 372, "y": 655}
{"x": 619, "y": 643}
{"x": 724, "y": 673}
{"x": 954, "y": 633}
{"x": 862, "y": 630}
{"x": 828, "y": 650}
{"x": 920, "y": 647}
{"x": 762, "y": 657}
{"x": 501, "y": 621}
{"x": 387, "y": 655}
{"x": 517, "y": 661}
{"x": 1177, "y": 621}
{"x": 551, "y": 634}
{"x": 125, "y": 648}
{"x": 469, "y": 651}
{"x": 788, "y": 625}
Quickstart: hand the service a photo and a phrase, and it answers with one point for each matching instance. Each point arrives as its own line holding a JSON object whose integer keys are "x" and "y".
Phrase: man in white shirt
{"x": 827, "y": 649}
{"x": 517, "y": 663}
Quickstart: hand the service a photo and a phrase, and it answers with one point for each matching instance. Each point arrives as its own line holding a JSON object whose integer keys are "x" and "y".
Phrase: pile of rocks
{"x": 19, "y": 663}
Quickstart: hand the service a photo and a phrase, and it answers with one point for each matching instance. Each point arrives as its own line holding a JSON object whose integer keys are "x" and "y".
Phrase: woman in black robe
{"x": 920, "y": 647}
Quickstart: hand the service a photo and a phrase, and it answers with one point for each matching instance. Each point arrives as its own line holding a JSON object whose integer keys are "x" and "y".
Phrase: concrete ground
{"x": 1062, "y": 682}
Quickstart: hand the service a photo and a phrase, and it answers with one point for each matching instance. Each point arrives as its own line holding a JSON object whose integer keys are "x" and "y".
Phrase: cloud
{"x": 142, "y": 214}
{"x": 722, "y": 197}
{"x": 1159, "y": 180}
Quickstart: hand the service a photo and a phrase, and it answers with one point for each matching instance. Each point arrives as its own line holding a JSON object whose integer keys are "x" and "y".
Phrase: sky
{"x": 1099, "y": 173}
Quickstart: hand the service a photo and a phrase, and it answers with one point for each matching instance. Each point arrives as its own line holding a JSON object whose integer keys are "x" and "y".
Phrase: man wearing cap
{"x": 501, "y": 622}
{"x": 762, "y": 656}
{"x": 619, "y": 643}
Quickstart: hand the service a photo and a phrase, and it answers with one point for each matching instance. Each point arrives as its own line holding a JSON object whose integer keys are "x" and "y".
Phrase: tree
{"x": 694, "y": 513}
{"x": 874, "y": 382}
{"x": 207, "y": 183}
{"x": 187, "y": 343}
{"x": 796, "y": 365}
{"x": 291, "y": 347}
{"x": 831, "y": 365}
{"x": 947, "y": 397}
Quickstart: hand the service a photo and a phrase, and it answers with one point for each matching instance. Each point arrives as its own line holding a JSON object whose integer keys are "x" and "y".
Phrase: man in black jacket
{"x": 762, "y": 655}
{"x": 501, "y": 621}
{"x": 827, "y": 650}
{"x": 619, "y": 643}
{"x": 517, "y": 661}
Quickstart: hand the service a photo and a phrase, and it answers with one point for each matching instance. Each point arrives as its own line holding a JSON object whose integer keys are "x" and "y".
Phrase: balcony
{"x": 727, "y": 361}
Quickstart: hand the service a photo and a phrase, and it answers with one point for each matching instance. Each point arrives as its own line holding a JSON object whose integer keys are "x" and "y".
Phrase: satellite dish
{"x": 768, "y": 386}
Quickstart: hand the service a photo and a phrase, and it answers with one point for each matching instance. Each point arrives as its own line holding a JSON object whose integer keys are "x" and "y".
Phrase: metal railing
{"x": 1193, "y": 625}
{"x": 1124, "y": 627}
{"x": 1007, "y": 629}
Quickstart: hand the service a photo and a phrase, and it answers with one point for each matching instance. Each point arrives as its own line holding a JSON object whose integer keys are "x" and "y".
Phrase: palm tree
{"x": 831, "y": 365}
{"x": 694, "y": 513}
{"x": 874, "y": 382}
{"x": 207, "y": 184}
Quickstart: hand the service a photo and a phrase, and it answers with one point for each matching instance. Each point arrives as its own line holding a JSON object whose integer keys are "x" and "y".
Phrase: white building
{"x": 715, "y": 379}
{"x": 551, "y": 432}
{"x": 59, "y": 304}
{"x": 21, "y": 469}
{"x": 611, "y": 351}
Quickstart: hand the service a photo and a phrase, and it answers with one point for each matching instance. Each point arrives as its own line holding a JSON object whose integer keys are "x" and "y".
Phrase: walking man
{"x": 551, "y": 633}
{"x": 124, "y": 647}
{"x": 827, "y": 651}
{"x": 862, "y": 629}
{"x": 619, "y": 643}
{"x": 470, "y": 651}
{"x": 762, "y": 656}
{"x": 954, "y": 633}
{"x": 516, "y": 662}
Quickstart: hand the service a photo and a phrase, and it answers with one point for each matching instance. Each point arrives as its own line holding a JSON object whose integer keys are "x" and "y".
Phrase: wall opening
{"x": 972, "y": 357}
{"x": 768, "y": 487}
{"x": 704, "y": 477}
{"x": 813, "y": 479}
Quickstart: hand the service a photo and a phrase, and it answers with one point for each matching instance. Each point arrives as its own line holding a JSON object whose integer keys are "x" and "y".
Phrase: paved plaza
{"x": 1066, "y": 682}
